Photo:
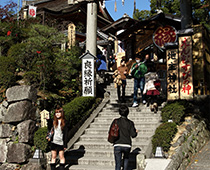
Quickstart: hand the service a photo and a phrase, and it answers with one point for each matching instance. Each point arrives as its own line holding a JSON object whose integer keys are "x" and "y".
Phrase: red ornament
{"x": 38, "y": 52}
{"x": 9, "y": 33}
{"x": 164, "y": 35}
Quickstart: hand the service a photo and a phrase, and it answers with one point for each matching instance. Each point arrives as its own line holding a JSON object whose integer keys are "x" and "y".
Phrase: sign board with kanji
{"x": 88, "y": 74}
{"x": 172, "y": 74}
{"x": 44, "y": 114}
{"x": 185, "y": 67}
{"x": 163, "y": 35}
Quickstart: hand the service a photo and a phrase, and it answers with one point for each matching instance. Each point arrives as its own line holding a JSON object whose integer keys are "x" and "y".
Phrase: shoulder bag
{"x": 113, "y": 132}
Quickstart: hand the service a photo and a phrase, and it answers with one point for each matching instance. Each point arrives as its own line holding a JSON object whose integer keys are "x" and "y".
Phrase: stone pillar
{"x": 91, "y": 27}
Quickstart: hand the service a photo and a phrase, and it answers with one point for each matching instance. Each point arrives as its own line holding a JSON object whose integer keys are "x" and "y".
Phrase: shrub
{"x": 7, "y": 77}
{"x": 164, "y": 135}
{"x": 40, "y": 140}
{"x": 77, "y": 109}
{"x": 31, "y": 77}
{"x": 174, "y": 111}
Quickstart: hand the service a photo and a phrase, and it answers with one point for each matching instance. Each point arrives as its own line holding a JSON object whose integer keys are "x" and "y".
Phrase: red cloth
{"x": 157, "y": 83}
{"x": 153, "y": 92}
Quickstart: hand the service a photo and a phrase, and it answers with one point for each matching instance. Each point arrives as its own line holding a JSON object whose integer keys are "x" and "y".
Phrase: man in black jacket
{"x": 122, "y": 146}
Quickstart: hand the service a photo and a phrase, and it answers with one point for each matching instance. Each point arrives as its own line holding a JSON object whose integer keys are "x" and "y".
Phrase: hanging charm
{"x": 115, "y": 6}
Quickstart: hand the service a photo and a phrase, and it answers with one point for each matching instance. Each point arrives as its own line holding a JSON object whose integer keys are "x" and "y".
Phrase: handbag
{"x": 113, "y": 132}
{"x": 50, "y": 134}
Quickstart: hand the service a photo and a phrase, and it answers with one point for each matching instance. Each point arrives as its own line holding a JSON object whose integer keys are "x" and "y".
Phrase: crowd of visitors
{"x": 143, "y": 72}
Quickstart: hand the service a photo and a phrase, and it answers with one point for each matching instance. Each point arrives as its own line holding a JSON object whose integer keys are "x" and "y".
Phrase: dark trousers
{"x": 120, "y": 151}
{"x": 123, "y": 91}
{"x": 138, "y": 83}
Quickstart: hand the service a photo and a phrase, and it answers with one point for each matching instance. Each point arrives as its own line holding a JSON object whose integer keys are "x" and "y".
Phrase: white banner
{"x": 32, "y": 11}
{"x": 88, "y": 77}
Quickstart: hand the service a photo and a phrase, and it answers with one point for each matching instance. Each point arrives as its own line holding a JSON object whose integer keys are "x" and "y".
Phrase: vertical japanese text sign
{"x": 185, "y": 67}
{"x": 172, "y": 74}
{"x": 88, "y": 74}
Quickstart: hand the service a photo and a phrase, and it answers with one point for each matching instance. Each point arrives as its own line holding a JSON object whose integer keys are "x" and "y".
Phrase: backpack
{"x": 113, "y": 132}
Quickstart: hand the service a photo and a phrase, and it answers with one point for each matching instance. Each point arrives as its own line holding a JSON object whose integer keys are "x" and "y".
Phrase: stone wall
{"x": 17, "y": 126}
{"x": 191, "y": 140}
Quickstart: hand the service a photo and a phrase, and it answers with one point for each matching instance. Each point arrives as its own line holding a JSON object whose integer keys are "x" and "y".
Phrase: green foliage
{"x": 40, "y": 140}
{"x": 37, "y": 54}
{"x": 16, "y": 139}
{"x": 77, "y": 109}
{"x": 163, "y": 136}
{"x": 174, "y": 111}
{"x": 168, "y": 7}
{"x": 7, "y": 77}
{"x": 200, "y": 9}
{"x": 67, "y": 68}
{"x": 31, "y": 77}
{"x": 141, "y": 15}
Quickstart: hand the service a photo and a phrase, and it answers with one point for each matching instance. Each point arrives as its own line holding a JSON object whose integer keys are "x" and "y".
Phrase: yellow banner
{"x": 172, "y": 74}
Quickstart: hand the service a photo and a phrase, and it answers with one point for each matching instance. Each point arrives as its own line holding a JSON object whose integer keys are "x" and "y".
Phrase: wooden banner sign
{"x": 185, "y": 67}
{"x": 172, "y": 74}
{"x": 71, "y": 34}
{"x": 88, "y": 74}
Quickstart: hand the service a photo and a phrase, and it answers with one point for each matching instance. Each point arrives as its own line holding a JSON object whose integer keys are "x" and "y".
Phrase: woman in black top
{"x": 122, "y": 145}
{"x": 59, "y": 138}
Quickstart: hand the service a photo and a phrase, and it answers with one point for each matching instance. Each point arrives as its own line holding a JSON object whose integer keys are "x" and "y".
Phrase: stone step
{"x": 78, "y": 153}
{"x": 140, "y": 109}
{"x": 96, "y": 137}
{"x": 138, "y": 126}
{"x": 137, "y": 120}
{"x": 98, "y": 161}
{"x": 105, "y": 131}
{"x": 91, "y": 167}
{"x": 99, "y": 164}
{"x": 106, "y": 145}
{"x": 132, "y": 113}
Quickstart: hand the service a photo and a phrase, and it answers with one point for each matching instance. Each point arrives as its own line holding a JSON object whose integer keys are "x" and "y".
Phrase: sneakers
{"x": 144, "y": 101}
{"x": 135, "y": 105}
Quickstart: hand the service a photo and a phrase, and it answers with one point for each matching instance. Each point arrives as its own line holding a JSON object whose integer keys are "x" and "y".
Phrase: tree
{"x": 68, "y": 76}
{"x": 168, "y": 6}
{"x": 31, "y": 53}
{"x": 200, "y": 9}
{"x": 141, "y": 15}
{"x": 35, "y": 56}
{"x": 8, "y": 11}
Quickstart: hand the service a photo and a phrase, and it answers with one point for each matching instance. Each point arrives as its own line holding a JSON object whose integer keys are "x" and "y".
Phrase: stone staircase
{"x": 93, "y": 152}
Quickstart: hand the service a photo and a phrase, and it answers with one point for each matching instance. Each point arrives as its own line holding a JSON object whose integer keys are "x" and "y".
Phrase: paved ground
{"x": 157, "y": 164}
{"x": 201, "y": 160}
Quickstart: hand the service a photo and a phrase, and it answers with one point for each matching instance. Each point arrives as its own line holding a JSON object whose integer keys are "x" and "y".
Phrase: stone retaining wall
{"x": 195, "y": 136}
{"x": 17, "y": 126}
